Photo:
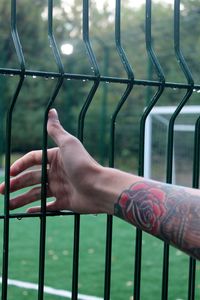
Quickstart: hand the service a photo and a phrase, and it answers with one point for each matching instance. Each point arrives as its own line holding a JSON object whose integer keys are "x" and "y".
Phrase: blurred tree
{"x": 32, "y": 26}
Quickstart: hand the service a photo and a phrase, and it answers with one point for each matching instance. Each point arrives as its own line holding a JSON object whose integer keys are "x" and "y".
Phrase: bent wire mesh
{"x": 122, "y": 63}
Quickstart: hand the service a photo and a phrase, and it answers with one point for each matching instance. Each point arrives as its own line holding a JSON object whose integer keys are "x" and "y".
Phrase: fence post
{"x": 1, "y": 123}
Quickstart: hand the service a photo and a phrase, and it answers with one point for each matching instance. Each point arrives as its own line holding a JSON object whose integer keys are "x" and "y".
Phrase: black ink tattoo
{"x": 168, "y": 212}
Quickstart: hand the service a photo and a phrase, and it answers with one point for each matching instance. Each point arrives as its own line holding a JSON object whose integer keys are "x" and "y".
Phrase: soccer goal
{"x": 156, "y": 132}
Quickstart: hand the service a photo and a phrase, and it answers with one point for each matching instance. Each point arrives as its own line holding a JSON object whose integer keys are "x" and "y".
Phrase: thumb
{"x": 54, "y": 128}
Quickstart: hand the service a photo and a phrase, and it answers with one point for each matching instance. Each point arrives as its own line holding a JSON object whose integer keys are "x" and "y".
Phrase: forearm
{"x": 168, "y": 212}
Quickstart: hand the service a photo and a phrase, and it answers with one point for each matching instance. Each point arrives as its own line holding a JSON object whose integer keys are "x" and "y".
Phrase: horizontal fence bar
{"x": 39, "y": 214}
{"x": 129, "y": 82}
{"x": 108, "y": 79}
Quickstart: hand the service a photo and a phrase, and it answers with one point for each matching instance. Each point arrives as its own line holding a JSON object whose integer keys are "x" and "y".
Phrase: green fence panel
{"x": 158, "y": 84}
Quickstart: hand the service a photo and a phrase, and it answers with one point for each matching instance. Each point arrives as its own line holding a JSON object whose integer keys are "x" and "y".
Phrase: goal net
{"x": 156, "y": 135}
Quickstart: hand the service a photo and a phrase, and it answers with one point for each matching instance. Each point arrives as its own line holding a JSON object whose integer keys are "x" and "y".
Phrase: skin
{"x": 78, "y": 183}
{"x": 169, "y": 212}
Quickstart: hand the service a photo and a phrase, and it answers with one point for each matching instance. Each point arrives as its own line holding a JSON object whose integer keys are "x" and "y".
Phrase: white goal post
{"x": 162, "y": 114}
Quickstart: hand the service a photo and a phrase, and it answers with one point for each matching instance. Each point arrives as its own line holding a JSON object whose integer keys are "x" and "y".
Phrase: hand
{"x": 72, "y": 174}
{"x": 79, "y": 183}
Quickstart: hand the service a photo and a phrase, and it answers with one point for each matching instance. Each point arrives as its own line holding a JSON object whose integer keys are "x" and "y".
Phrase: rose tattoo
{"x": 143, "y": 206}
{"x": 172, "y": 214}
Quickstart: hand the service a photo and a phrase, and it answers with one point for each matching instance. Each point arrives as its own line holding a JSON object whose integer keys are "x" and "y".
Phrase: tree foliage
{"x": 33, "y": 27}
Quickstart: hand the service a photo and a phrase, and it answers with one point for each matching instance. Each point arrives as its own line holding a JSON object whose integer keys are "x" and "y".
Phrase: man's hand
{"x": 72, "y": 174}
{"x": 79, "y": 183}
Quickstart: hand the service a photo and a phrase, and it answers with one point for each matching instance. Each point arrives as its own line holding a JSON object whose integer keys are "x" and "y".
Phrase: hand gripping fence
{"x": 130, "y": 83}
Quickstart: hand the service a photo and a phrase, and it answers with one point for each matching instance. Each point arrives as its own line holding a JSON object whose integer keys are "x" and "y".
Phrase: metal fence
{"x": 129, "y": 82}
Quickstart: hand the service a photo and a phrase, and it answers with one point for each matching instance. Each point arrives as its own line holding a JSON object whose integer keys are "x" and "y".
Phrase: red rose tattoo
{"x": 143, "y": 206}
{"x": 170, "y": 213}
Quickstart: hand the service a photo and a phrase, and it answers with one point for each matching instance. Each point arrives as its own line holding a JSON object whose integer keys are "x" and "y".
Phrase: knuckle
{"x": 32, "y": 155}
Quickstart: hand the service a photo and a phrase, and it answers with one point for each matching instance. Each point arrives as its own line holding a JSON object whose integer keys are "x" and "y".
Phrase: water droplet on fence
{"x": 34, "y": 76}
{"x": 52, "y": 78}
{"x": 69, "y": 79}
{"x": 19, "y": 218}
{"x": 194, "y": 90}
{"x": 84, "y": 80}
{"x": 174, "y": 89}
{"x": 198, "y": 91}
{"x": 11, "y": 75}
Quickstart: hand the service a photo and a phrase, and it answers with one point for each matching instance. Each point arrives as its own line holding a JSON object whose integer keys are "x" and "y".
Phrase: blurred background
{"x": 28, "y": 123}
{"x": 29, "y": 110}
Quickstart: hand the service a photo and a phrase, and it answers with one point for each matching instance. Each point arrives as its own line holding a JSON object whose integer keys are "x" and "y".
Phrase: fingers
{"x": 33, "y": 158}
{"x": 26, "y": 198}
{"x": 34, "y": 209}
{"x": 23, "y": 180}
{"x": 55, "y": 130}
{"x": 2, "y": 187}
{"x": 28, "y": 160}
{"x": 51, "y": 206}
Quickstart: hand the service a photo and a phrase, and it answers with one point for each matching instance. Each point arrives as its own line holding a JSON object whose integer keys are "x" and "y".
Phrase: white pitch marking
{"x": 48, "y": 290}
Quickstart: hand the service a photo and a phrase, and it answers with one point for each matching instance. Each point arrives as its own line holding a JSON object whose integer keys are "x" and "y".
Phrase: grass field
{"x": 24, "y": 249}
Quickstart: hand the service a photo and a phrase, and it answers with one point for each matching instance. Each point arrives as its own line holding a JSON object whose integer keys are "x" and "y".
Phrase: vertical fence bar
{"x": 75, "y": 273}
{"x": 124, "y": 97}
{"x": 21, "y": 60}
{"x": 7, "y": 189}
{"x": 81, "y": 120}
{"x": 161, "y": 77}
{"x": 170, "y": 144}
{"x": 130, "y": 75}
{"x": 153, "y": 101}
{"x": 195, "y": 184}
{"x": 93, "y": 61}
{"x": 97, "y": 78}
{"x": 44, "y": 153}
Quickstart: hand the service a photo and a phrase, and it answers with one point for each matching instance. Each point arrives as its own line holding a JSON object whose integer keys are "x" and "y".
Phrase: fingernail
{"x": 53, "y": 114}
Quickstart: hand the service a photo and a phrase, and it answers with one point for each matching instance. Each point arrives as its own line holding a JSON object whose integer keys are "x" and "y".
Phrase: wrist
{"x": 108, "y": 187}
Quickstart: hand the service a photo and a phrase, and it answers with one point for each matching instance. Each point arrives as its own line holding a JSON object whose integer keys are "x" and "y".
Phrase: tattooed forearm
{"x": 168, "y": 212}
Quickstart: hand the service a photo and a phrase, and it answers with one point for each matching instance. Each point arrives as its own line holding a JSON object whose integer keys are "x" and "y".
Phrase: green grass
{"x": 23, "y": 260}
